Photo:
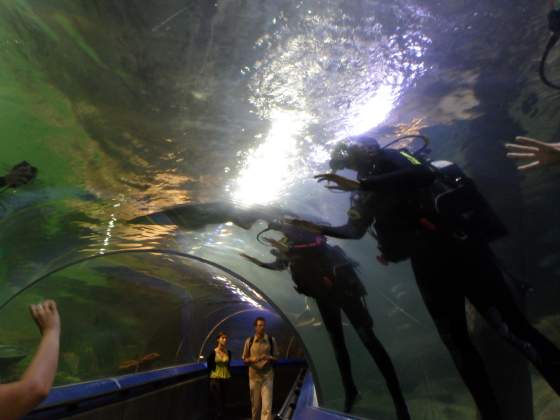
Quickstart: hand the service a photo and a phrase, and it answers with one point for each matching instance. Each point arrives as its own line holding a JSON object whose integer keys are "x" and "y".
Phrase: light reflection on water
{"x": 321, "y": 71}
{"x": 270, "y": 169}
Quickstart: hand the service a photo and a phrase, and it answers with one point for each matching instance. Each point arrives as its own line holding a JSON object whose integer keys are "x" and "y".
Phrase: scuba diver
{"x": 433, "y": 214}
{"x": 319, "y": 270}
{"x": 21, "y": 174}
{"x": 324, "y": 273}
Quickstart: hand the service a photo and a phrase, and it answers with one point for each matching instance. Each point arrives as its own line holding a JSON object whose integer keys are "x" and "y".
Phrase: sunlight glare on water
{"x": 269, "y": 168}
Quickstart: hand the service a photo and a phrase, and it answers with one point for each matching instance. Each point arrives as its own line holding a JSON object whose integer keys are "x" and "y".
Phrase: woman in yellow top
{"x": 218, "y": 365}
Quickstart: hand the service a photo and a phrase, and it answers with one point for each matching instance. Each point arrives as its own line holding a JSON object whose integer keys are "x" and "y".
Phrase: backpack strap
{"x": 271, "y": 345}
{"x": 251, "y": 339}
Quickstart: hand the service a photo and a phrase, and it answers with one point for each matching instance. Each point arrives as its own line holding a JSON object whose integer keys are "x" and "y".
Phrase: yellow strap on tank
{"x": 411, "y": 158}
{"x": 354, "y": 214}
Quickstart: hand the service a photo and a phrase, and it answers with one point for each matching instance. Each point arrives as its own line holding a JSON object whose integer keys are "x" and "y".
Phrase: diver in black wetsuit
{"x": 325, "y": 273}
{"x": 436, "y": 217}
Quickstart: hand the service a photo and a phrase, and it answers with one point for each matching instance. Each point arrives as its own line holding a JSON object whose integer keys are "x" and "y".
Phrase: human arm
{"x": 20, "y": 397}
{"x": 341, "y": 183}
{"x": 536, "y": 152}
{"x": 246, "y": 357}
{"x": 413, "y": 177}
{"x": 211, "y": 361}
{"x": 278, "y": 264}
{"x": 395, "y": 171}
{"x": 276, "y": 354}
{"x": 356, "y": 226}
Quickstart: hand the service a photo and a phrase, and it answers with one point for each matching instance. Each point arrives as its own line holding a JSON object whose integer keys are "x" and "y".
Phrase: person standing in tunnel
{"x": 434, "y": 215}
{"x": 325, "y": 273}
{"x": 259, "y": 353}
{"x": 218, "y": 362}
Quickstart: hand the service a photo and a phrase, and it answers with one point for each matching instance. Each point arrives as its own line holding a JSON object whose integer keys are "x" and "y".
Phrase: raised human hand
{"x": 535, "y": 152}
{"x": 45, "y": 315}
{"x": 342, "y": 184}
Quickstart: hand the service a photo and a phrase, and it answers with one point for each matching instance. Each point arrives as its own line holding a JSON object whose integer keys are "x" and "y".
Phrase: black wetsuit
{"x": 325, "y": 273}
{"x": 447, "y": 269}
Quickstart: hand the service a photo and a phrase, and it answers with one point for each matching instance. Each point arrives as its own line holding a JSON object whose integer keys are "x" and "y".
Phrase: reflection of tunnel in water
{"x": 137, "y": 310}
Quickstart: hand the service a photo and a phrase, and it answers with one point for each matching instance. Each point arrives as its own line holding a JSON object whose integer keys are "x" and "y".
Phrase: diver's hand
{"x": 45, "y": 315}
{"x": 249, "y": 258}
{"x": 343, "y": 184}
{"x": 276, "y": 244}
{"x": 536, "y": 152}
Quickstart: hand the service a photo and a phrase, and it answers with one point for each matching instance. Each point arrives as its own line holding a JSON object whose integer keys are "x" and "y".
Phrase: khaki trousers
{"x": 260, "y": 388}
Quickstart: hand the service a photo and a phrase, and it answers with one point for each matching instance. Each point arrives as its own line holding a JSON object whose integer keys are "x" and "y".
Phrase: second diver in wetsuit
{"x": 324, "y": 272}
{"x": 433, "y": 214}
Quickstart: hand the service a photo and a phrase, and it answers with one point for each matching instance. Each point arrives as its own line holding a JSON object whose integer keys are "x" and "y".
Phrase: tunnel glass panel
{"x": 131, "y": 107}
{"x": 133, "y": 312}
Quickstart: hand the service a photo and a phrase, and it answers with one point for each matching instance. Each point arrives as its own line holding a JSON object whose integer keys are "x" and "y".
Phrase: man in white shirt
{"x": 259, "y": 353}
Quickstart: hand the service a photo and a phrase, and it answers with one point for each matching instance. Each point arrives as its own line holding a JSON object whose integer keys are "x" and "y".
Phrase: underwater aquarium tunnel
{"x": 151, "y": 331}
{"x": 159, "y": 163}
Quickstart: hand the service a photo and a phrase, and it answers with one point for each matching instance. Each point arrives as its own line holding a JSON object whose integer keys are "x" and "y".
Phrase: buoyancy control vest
{"x": 451, "y": 205}
{"x": 459, "y": 206}
{"x": 320, "y": 270}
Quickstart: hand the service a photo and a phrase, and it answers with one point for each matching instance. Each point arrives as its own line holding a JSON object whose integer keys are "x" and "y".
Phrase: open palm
{"x": 532, "y": 153}
{"x": 342, "y": 184}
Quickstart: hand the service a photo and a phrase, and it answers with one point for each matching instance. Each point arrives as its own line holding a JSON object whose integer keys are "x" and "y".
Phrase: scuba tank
{"x": 453, "y": 198}
{"x": 451, "y": 204}
{"x": 460, "y": 207}
{"x": 319, "y": 270}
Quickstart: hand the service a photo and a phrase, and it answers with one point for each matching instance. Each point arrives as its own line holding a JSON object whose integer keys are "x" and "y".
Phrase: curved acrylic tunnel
{"x": 129, "y": 107}
{"x": 139, "y": 310}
